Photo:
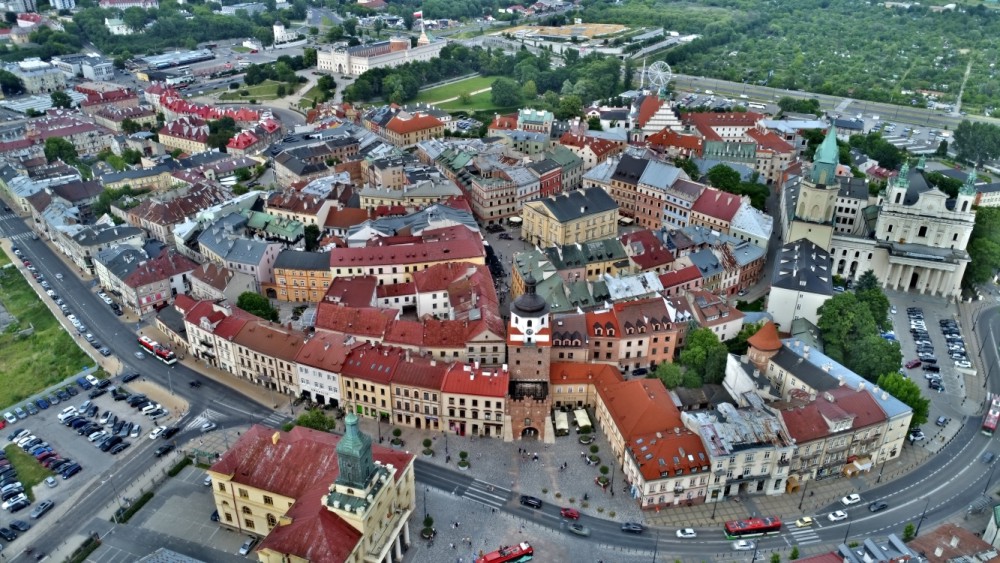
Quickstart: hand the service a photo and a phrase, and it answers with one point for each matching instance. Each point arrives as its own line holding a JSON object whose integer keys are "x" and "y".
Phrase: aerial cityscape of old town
{"x": 493, "y": 281}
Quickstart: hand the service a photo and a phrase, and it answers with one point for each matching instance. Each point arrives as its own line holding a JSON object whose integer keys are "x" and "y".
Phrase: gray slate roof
{"x": 297, "y": 260}
{"x": 803, "y": 266}
{"x": 579, "y": 203}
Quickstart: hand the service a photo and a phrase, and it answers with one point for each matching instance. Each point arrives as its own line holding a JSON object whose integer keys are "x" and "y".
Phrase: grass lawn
{"x": 29, "y": 471}
{"x": 478, "y": 102}
{"x": 241, "y": 49}
{"x": 455, "y": 89}
{"x": 314, "y": 93}
{"x": 32, "y": 363}
{"x": 267, "y": 90}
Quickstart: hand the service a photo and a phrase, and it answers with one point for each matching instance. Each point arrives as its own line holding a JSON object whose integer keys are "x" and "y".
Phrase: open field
{"x": 455, "y": 89}
{"x": 313, "y": 94}
{"x": 31, "y": 363}
{"x": 478, "y": 102}
{"x": 267, "y": 90}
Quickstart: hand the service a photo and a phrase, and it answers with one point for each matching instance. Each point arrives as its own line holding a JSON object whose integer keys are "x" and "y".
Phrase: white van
{"x": 92, "y": 380}
{"x": 66, "y": 413}
{"x": 709, "y": 92}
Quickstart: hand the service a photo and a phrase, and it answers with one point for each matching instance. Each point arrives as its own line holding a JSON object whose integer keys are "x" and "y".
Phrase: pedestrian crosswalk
{"x": 20, "y": 236}
{"x": 275, "y": 420}
{"x": 804, "y": 536}
{"x": 486, "y": 493}
{"x": 208, "y": 415}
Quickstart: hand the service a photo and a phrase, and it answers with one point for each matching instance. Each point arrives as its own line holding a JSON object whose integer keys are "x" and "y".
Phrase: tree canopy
{"x": 703, "y": 357}
{"x": 57, "y": 148}
{"x": 977, "y": 141}
{"x": 984, "y": 247}
{"x": 317, "y": 420}
{"x": 505, "y": 93}
{"x": 908, "y": 392}
{"x": 669, "y": 373}
{"x": 851, "y": 337}
{"x": 257, "y": 304}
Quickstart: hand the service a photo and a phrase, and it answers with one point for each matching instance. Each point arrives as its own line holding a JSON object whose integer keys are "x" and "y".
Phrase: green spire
{"x": 903, "y": 179}
{"x": 969, "y": 187}
{"x": 922, "y": 163}
{"x": 827, "y": 158}
{"x": 354, "y": 455}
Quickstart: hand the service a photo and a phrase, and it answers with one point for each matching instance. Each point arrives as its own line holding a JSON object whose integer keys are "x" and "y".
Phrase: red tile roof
{"x": 184, "y": 302}
{"x": 243, "y": 140}
{"x": 417, "y": 371}
{"x": 766, "y": 339}
{"x": 600, "y": 147}
{"x": 604, "y": 319}
{"x": 416, "y": 122}
{"x": 463, "y": 379}
{"x": 213, "y": 275}
{"x": 360, "y": 321}
{"x": 770, "y": 140}
{"x": 461, "y": 249}
{"x": 346, "y": 218}
{"x": 641, "y": 407}
{"x": 230, "y": 326}
{"x": 200, "y": 310}
{"x": 439, "y": 276}
{"x": 718, "y": 204}
{"x": 187, "y": 127}
{"x": 403, "y": 332}
{"x": 577, "y": 372}
{"x": 165, "y": 266}
{"x": 327, "y": 351}
{"x": 809, "y": 422}
{"x": 504, "y": 122}
{"x": 395, "y": 290}
{"x": 271, "y": 339}
{"x": 668, "y": 452}
{"x": 650, "y": 105}
{"x": 356, "y": 291}
{"x": 646, "y": 249}
{"x": 678, "y": 277}
{"x": 300, "y": 464}
{"x": 671, "y": 138}
{"x": 373, "y": 363}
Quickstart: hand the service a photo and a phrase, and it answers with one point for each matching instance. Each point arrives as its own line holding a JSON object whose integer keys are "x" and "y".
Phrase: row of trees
{"x": 729, "y": 180}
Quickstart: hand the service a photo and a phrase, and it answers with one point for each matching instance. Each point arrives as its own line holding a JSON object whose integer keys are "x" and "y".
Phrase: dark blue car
{"x": 42, "y": 403}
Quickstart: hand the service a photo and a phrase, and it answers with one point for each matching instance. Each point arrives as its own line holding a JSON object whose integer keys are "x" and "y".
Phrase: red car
{"x": 571, "y": 513}
{"x": 912, "y": 364}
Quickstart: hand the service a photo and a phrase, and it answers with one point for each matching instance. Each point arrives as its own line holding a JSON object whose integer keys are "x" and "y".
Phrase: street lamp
{"x": 924, "y": 513}
{"x": 612, "y": 482}
{"x": 801, "y": 500}
{"x": 847, "y": 533}
{"x": 879, "y": 480}
{"x": 425, "y": 503}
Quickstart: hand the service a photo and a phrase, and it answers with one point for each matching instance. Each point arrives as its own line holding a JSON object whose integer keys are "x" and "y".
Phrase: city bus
{"x": 162, "y": 353}
{"x": 992, "y": 416}
{"x": 752, "y": 527}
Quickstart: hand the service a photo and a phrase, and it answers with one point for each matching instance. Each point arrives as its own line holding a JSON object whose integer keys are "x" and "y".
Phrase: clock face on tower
{"x": 529, "y": 332}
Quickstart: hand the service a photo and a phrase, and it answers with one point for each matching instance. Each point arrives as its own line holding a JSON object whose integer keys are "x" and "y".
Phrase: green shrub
{"x": 179, "y": 466}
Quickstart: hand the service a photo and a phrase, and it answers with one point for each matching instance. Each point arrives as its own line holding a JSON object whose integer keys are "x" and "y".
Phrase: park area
{"x": 456, "y": 89}
{"x": 267, "y": 90}
{"x": 35, "y": 351}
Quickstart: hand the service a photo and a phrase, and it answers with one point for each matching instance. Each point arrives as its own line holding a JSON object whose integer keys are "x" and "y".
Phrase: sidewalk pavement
{"x": 101, "y": 522}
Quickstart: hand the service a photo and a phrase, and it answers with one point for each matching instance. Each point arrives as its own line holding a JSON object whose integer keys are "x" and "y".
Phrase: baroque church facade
{"x": 912, "y": 235}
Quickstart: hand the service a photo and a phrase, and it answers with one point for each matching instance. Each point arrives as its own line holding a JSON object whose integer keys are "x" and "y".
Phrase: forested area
{"x": 586, "y": 79}
{"x": 837, "y": 47}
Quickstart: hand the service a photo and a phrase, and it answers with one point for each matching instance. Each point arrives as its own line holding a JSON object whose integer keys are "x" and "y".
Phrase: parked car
{"x": 531, "y": 501}
{"x": 633, "y": 527}
{"x": 686, "y": 533}
{"x": 837, "y": 516}
{"x": 851, "y": 499}
{"x": 247, "y": 546}
{"x": 41, "y": 509}
{"x": 743, "y": 545}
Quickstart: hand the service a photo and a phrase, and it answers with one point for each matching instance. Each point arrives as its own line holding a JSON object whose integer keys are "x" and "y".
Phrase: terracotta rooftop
{"x": 271, "y": 339}
{"x": 660, "y": 453}
{"x": 770, "y": 140}
{"x": 647, "y": 109}
{"x": 671, "y": 138}
{"x": 355, "y": 291}
{"x": 950, "y": 542}
{"x": 718, "y": 204}
{"x": 766, "y": 339}
{"x": 464, "y": 379}
{"x": 164, "y": 267}
{"x": 565, "y": 373}
{"x": 417, "y": 371}
{"x": 810, "y": 422}
{"x": 327, "y": 351}
{"x": 359, "y": 321}
{"x": 646, "y": 249}
{"x": 346, "y": 217}
{"x": 454, "y": 250}
{"x": 416, "y": 122}
{"x": 679, "y": 277}
{"x": 373, "y": 363}
{"x": 641, "y": 407}
{"x": 213, "y": 275}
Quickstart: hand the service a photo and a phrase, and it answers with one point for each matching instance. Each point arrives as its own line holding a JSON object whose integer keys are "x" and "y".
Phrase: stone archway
{"x": 529, "y": 432}
{"x": 914, "y": 280}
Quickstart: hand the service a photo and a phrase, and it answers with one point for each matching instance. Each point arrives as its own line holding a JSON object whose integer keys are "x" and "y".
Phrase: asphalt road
{"x": 906, "y": 114}
{"x": 938, "y": 491}
{"x": 231, "y": 408}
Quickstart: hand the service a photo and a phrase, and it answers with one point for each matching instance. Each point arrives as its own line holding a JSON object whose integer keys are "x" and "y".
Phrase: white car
{"x": 156, "y": 432}
{"x": 13, "y": 500}
{"x": 837, "y": 516}
{"x": 851, "y": 499}
{"x": 686, "y": 533}
{"x": 963, "y": 364}
{"x": 9, "y": 417}
{"x": 743, "y": 545}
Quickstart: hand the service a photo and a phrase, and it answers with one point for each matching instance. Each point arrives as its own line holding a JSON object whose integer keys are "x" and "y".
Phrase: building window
{"x": 248, "y": 523}
{"x": 268, "y": 500}
{"x": 271, "y": 521}
{"x": 229, "y": 517}
{"x": 244, "y": 493}
{"x": 246, "y": 510}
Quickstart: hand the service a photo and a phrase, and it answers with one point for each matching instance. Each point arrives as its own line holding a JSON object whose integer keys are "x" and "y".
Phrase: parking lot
{"x": 948, "y": 397}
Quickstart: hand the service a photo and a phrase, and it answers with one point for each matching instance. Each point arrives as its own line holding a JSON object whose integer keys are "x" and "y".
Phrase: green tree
{"x": 738, "y": 345}
{"x": 280, "y": 91}
{"x": 977, "y": 142}
{"x": 908, "y": 392}
{"x": 317, "y": 420}
{"x": 243, "y": 174}
{"x": 983, "y": 247}
{"x": 57, "y": 148}
{"x": 130, "y": 126}
{"x": 335, "y": 33}
{"x": 724, "y": 177}
{"x": 569, "y": 107}
{"x": 10, "y": 84}
{"x": 669, "y": 373}
{"x": 378, "y": 27}
{"x": 529, "y": 91}
{"x": 872, "y": 356}
{"x": 704, "y": 356}
{"x": 795, "y": 553}
{"x": 842, "y": 322}
{"x": 689, "y": 167}
{"x": 594, "y": 123}
{"x": 867, "y": 281}
{"x": 61, "y": 99}
{"x": 351, "y": 26}
{"x": 775, "y": 558}
{"x": 312, "y": 234}
{"x": 795, "y": 105}
{"x": 909, "y": 532}
{"x": 942, "y": 149}
{"x": 876, "y": 302}
{"x": 309, "y": 57}
{"x": 505, "y": 93}
{"x": 257, "y": 304}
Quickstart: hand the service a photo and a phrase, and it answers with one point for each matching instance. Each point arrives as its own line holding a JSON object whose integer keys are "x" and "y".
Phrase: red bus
{"x": 509, "y": 554}
{"x": 162, "y": 353}
{"x": 752, "y": 527}
{"x": 992, "y": 416}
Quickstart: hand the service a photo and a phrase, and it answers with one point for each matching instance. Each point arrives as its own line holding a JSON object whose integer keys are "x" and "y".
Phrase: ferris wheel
{"x": 659, "y": 74}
